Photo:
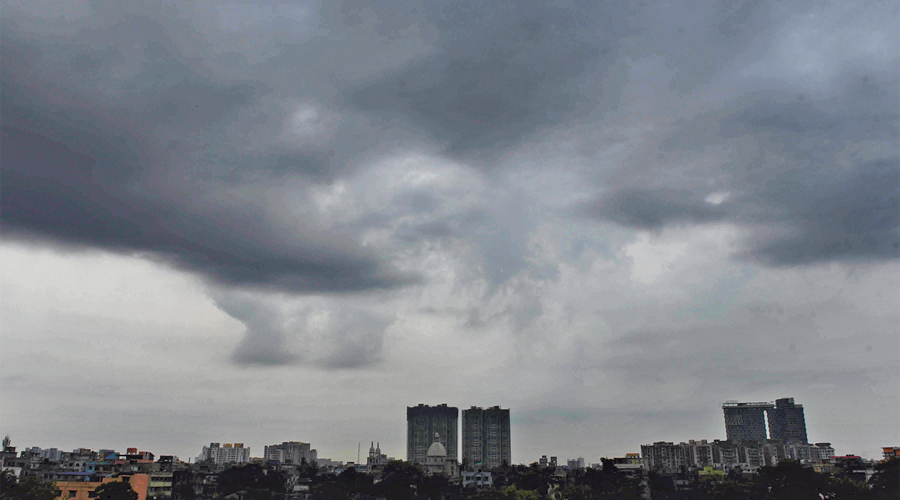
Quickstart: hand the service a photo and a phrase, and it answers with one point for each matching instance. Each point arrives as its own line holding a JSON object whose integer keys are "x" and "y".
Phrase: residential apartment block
{"x": 485, "y": 438}
{"x": 671, "y": 457}
{"x": 289, "y": 452}
{"x": 228, "y": 454}
{"x": 423, "y": 422}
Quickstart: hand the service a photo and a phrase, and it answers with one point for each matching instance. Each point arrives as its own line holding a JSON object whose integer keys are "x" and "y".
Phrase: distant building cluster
{"x": 750, "y": 443}
{"x": 748, "y": 455}
{"x": 228, "y": 454}
{"x": 290, "y": 452}
{"x": 758, "y": 434}
{"x": 79, "y": 472}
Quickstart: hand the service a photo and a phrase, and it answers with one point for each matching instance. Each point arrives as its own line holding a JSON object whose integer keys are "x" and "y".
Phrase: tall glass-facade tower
{"x": 745, "y": 421}
{"x": 787, "y": 422}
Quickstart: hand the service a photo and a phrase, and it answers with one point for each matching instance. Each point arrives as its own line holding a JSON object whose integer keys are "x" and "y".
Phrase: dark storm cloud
{"x": 796, "y": 181}
{"x": 854, "y": 216}
{"x": 646, "y": 209}
{"x": 97, "y": 168}
{"x": 159, "y": 134}
{"x": 502, "y": 70}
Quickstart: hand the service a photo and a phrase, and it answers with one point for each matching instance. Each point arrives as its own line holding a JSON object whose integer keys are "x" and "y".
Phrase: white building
{"x": 477, "y": 479}
{"x": 292, "y": 452}
{"x": 228, "y": 454}
{"x": 437, "y": 463}
{"x": 376, "y": 460}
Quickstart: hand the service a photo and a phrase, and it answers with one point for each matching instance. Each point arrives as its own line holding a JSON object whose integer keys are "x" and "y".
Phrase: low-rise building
{"x": 376, "y": 461}
{"x": 86, "y": 490}
{"x": 477, "y": 479}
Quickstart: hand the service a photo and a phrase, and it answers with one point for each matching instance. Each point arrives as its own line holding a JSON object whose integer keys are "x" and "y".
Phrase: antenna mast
{"x": 358, "y": 445}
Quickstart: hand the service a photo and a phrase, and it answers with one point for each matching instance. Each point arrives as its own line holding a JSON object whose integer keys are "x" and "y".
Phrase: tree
{"x": 241, "y": 479}
{"x": 7, "y": 483}
{"x": 116, "y": 490}
{"x": 30, "y": 488}
{"x": 885, "y": 482}
{"x": 398, "y": 478}
{"x": 508, "y": 493}
{"x": 309, "y": 470}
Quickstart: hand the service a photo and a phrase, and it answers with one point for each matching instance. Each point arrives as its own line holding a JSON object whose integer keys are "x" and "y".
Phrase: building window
{"x": 72, "y": 493}
{"x": 92, "y": 494}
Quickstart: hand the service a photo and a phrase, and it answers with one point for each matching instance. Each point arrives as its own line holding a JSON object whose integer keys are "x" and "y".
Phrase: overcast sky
{"x": 259, "y": 221}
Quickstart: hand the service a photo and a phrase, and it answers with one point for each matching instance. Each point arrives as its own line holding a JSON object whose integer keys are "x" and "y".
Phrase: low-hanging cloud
{"x": 280, "y": 330}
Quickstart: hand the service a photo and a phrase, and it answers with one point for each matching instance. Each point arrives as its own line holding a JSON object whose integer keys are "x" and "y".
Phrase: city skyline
{"x": 291, "y": 220}
{"x": 422, "y": 420}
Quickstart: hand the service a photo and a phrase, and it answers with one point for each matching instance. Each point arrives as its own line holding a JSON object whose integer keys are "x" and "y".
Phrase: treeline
{"x": 789, "y": 480}
{"x": 404, "y": 481}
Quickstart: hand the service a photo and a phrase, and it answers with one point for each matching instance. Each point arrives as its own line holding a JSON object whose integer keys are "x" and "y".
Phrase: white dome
{"x": 436, "y": 450}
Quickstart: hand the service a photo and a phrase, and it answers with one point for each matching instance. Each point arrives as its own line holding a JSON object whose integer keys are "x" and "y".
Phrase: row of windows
{"x": 74, "y": 493}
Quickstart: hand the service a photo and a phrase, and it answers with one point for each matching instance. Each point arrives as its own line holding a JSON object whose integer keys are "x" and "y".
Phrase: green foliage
{"x": 30, "y": 488}
{"x": 7, "y": 483}
{"x": 330, "y": 491}
{"x": 789, "y": 480}
{"x": 886, "y": 481}
{"x": 183, "y": 492}
{"x": 250, "y": 477}
{"x": 308, "y": 470}
{"x": 398, "y": 478}
{"x": 508, "y": 493}
{"x": 732, "y": 490}
{"x": 116, "y": 490}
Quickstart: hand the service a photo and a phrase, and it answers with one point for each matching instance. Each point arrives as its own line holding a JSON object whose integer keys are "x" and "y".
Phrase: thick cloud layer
{"x": 582, "y": 198}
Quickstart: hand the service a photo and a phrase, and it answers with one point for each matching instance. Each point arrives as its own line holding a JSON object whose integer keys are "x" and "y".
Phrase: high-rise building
{"x": 745, "y": 421}
{"x": 786, "y": 421}
{"x": 225, "y": 454}
{"x": 289, "y": 452}
{"x": 485, "y": 437}
{"x": 422, "y": 422}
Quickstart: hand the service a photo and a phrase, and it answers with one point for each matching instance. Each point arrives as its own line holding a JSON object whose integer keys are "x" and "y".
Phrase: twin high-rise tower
{"x": 747, "y": 421}
{"x": 485, "y": 434}
{"x": 485, "y": 437}
{"x": 423, "y": 422}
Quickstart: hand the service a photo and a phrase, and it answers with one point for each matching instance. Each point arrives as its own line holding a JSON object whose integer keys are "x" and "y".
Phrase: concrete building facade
{"x": 85, "y": 490}
{"x": 228, "y": 454}
{"x": 745, "y": 421}
{"x": 485, "y": 438}
{"x": 289, "y": 452}
{"x": 423, "y": 422}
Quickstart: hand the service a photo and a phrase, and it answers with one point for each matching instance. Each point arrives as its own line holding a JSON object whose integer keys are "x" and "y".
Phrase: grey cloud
{"x": 856, "y": 216}
{"x": 279, "y": 331}
{"x": 493, "y": 82}
{"x": 81, "y": 169}
{"x": 648, "y": 209}
{"x": 799, "y": 188}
